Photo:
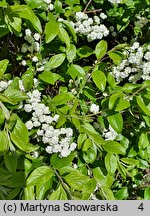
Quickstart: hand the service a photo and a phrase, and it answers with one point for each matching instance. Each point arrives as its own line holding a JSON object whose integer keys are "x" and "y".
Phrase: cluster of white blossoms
{"x": 92, "y": 28}
{"x": 135, "y": 66}
{"x": 94, "y": 108}
{"x": 32, "y": 42}
{"x": 56, "y": 140}
{"x": 141, "y": 21}
{"x": 110, "y": 134}
{"x": 50, "y": 6}
{"x": 115, "y": 1}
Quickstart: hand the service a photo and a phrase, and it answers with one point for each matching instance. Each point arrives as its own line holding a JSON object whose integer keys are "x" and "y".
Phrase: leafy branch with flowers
{"x": 74, "y": 100}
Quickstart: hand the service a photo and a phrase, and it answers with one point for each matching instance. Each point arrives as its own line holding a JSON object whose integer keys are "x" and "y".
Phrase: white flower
{"x": 55, "y": 118}
{"x": 110, "y": 134}
{"x": 29, "y": 125}
{"x": 49, "y": 149}
{"x": 47, "y": 1}
{"x": 46, "y": 110}
{"x": 69, "y": 132}
{"x": 35, "y": 154}
{"x": 21, "y": 86}
{"x": 94, "y": 108}
{"x": 115, "y": 1}
{"x": 50, "y": 7}
{"x": 73, "y": 146}
{"x": 147, "y": 56}
{"x": 28, "y": 32}
{"x": 24, "y": 63}
{"x": 37, "y": 36}
{"x": 40, "y": 68}
{"x": 30, "y": 49}
{"x": 135, "y": 45}
{"x": 24, "y": 48}
{"x": 29, "y": 38}
{"x": 3, "y": 85}
{"x": 36, "y": 82}
{"x": 40, "y": 132}
{"x": 103, "y": 16}
{"x": 35, "y": 59}
{"x": 36, "y": 46}
{"x": 57, "y": 148}
{"x": 65, "y": 152}
{"x": 27, "y": 108}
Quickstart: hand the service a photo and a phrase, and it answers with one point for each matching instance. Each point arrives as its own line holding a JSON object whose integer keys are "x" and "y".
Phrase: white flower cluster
{"x": 115, "y": 1}
{"x": 33, "y": 42}
{"x": 50, "y": 6}
{"x": 57, "y": 140}
{"x": 94, "y": 108}
{"x": 136, "y": 66}
{"x": 141, "y": 21}
{"x": 92, "y": 28}
{"x": 110, "y": 134}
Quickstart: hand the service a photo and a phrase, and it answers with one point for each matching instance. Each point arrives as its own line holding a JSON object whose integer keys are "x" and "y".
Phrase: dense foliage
{"x": 74, "y": 99}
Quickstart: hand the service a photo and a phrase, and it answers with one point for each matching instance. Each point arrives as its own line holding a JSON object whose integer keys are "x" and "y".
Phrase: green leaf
{"x": 101, "y": 49}
{"x": 147, "y": 193}
{"x": 142, "y": 105}
{"x": 15, "y": 95}
{"x": 84, "y": 51}
{"x": 41, "y": 189}
{"x": 107, "y": 193}
{"x": 51, "y": 30}
{"x": 35, "y": 4}
{"x": 20, "y": 137}
{"x": 76, "y": 180}
{"x": 71, "y": 29}
{"x": 4, "y": 142}
{"x": 111, "y": 80}
{"x": 75, "y": 70}
{"x": 11, "y": 161}
{"x": 144, "y": 141}
{"x": 122, "y": 104}
{"x": 122, "y": 194}
{"x": 101, "y": 179}
{"x": 81, "y": 138}
{"x": 114, "y": 99}
{"x": 3, "y": 67}
{"x": 63, "y": 35}
{"x": 130, "y": 161}
{"x": 42, "y": 173}
{"x": 114, "y": 147}
{"x": 29, "y": 193}
{"x": 55, "y": 61}
{"x": 25, "y": 12}
{"x": 116, "y": 122}
{"x": 90, "y": 154}
{"x": 61, "y": 99}
{"x": 110, "y": 163}
{"x": 87, "y": 144}
{"x": 49, "y": 77}
{"x": 27, "y": 79}
{"x": 5, "y": 111}
{"x": 116, "y": 57}
{"x": 71, "y": 52}
{"x": 99, "y": 79}
{"x": 59, "y": 194}
{"x": 57, "y": 162}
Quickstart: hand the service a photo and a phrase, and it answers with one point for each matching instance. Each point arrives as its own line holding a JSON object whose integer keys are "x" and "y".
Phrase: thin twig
{"x": 93, "y": 11}
{"x": 87, "y": 6}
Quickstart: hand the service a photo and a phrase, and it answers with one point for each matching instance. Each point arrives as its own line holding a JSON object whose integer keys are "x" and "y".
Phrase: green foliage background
{"x": 106, "y": 169}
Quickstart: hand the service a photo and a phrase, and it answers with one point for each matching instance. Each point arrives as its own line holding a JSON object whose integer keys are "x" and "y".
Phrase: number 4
{"x": 141, "y": 207}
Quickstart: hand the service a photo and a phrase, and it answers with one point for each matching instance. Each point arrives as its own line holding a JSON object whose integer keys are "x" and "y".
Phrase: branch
{"x": 87, "y": 6}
